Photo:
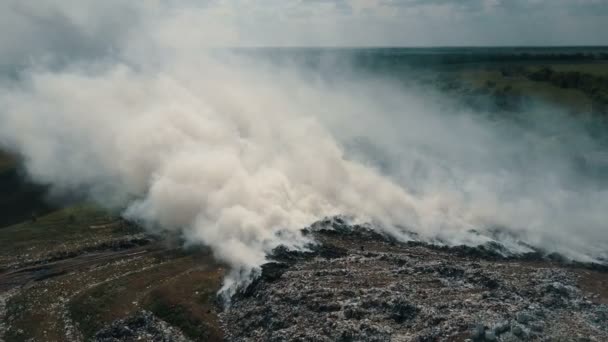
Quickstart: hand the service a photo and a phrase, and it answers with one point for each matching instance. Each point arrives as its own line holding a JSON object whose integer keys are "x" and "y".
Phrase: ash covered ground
{"x": 357, "y": 285}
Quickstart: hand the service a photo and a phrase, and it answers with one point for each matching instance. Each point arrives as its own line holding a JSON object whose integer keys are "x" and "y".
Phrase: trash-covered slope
{"x": 357, "y": 285}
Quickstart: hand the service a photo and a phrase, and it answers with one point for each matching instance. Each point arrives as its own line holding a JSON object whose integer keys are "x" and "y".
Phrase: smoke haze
{"x": 239, "y": 152}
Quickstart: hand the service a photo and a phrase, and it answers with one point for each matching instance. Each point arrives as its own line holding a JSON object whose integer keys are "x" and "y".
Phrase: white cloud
{"x": 91, "y": 28}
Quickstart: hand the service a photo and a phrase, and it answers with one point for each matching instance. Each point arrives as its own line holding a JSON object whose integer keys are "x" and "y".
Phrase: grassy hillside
{"x": 87, "y": 267}
{"x": 6, "y": 161}
{"x": 20, "y": 199}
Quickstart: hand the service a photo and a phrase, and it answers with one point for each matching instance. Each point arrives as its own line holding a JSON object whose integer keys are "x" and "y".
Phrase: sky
{"x": 84, "y": 28}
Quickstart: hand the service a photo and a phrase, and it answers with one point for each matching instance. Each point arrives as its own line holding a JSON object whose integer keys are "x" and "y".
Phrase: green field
{"x": 518, "y": 80}
{"x": 572, "y": 99}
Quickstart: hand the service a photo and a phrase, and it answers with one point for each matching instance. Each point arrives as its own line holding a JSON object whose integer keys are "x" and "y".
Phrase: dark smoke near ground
{"x": 239, "y": 151}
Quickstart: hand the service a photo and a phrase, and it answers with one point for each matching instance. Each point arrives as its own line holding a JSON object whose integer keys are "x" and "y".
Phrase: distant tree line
{"x": 594, "y": 86}
{"x": 374, "y": 59}
{"x": 489, "y": 98}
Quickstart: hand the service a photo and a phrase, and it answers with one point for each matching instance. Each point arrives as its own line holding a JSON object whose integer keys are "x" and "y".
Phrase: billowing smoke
{"x": 239, "y": 152}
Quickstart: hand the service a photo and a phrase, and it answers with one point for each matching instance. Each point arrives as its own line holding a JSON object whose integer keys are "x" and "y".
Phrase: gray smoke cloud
{"x": 239, "y": 153}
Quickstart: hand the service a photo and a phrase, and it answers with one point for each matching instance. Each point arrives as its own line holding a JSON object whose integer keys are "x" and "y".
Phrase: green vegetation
{"x": 58, "y": 231}
{"x": 24, "y": 323}
{"x": 580, "y": 88}
{"x": 188, "y": 302}
{"x": 37, "y": 311}
{"x": 20, "y": 199}
{"x": 593, "y": 86}
{"x": 98, "y": 307}
{"x": 168, "y": 289}
{"x": 179, "y": 286}
{"x": 7, "y": 162}
{"x": 494, "y": 81}
{"x": 178, "y": 315}
{"x": 597, "y": 69}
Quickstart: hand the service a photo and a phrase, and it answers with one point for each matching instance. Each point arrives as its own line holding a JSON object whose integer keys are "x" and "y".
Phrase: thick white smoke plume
{"x": 240, "y": 153}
